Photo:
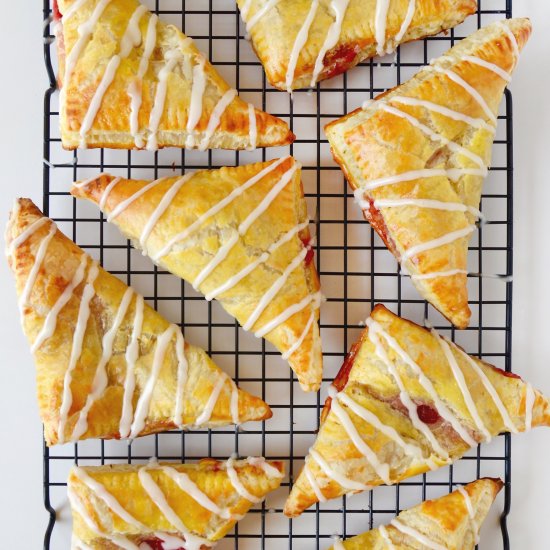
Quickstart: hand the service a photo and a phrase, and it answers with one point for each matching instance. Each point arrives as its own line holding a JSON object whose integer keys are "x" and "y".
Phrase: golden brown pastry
{"x": 301, "y": 42}
{"x": 236, "y": 234}
{"x": 451, "y": 522}
{"x": 407, "y": 401}
{"x": 166, "y": 505}
{"x": 108, "y": 365}
{"x": 130, "y": 81}
{"x": 417, "y": 156}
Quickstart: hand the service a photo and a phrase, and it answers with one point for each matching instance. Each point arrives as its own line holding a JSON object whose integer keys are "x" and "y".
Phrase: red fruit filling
{"x": 427, "y": 414}
{"x": 339, "y": 59}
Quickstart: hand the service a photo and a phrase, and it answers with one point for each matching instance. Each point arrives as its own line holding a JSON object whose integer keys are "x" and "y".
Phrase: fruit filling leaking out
{"x": 310, "y": 253}
{"x": 56, "y": 13}
{"x": 339, "y": 59}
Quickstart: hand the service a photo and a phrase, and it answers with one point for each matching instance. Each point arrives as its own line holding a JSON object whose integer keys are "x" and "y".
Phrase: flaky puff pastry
{"x": 165, "y": 505}
{"x": 451, "y": 522}
{"x": 417, "y": 157}
{"x": 128, "y": 80}
{"x": 301, "y": 42}
{"x": 236, "y": 234}
{"x": 108, "y": 365}
{"x": 407, "y": 401}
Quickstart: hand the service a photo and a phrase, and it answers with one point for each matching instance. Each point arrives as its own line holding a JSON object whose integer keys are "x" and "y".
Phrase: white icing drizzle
{"x": 144, "y": 401}
{"x": 382, "y": 470}
{"x": 478, "y": 123}
{"x": 74, "y": 8}
{"x": 215, "y": 117}
{"x": 339, "y": 8}
{"x": 406, "y": 22}
{"x": 85, "y": 31}
{"x": 269, "y": 470}
{"x": 187, "y": 485}
{"x": 488, "y": 65}
{"x": 50, "y": 323}
{"x": 135, "y": 90}
{"x": 451, "y": 173}
{"x": 78, "y": 506}
{"x": 235, "y": 279}
{"x": 448, "y": 238}
{"x": 436, "y": 274}
{"x": 470, "y": 89}
{"x": 374, "y": 329}
{"x": 206, "y": 414}
{"x": 77, "y": 544}
{"x": 423, "y": 203}
{"x": 245, "y": 10}
{"x": 471, "y": 513}
{"x": 130, "y": 40}
{"x": 297, "y": 344}
{"x": 161, "y": 208}
{"x": 385, "y": 535}
{"x": 107, "y": 192}
{"x": 514, "y": 41}
{"x": 252, "y": 128}
{"x": 338, "y": 544}
{"x": 250, "y": 23}
{"x": 299, "y": 43}
{"x": 529, "y": 404}
{"x": 372, "y": 419}
{"x": 492, "y": 392}
{"x": 197, "y": 94}
{"x": 314, "y": 299}
{"x": 313, "y": 483}
{"x": 460, "y": 380}
{"x": 121, "y": 206}
{"x": 181, "y": 381}
{"x": 192, "y": 541}
{"x": 38, "y": 259}
{"x": 425, "y": 382}
{"x": 172, "y": 57}
{"x": 218, "y": 207}
{"x": 434, "y": 136}
{"x": 413, "y": 533}
{"x": 342, "y": 480}
{"x": 132, "y": 355}
{"x": 234, "y": 405}
{"x": 76, "y": 350}
{"x": 380, "y": 24}
{"x": 26, "y": 234}
{"x": 237, "y": 483}
{"x": 101, "y": 380}
{"x": 268, "y": 297}
{"x": 109, "y": 499}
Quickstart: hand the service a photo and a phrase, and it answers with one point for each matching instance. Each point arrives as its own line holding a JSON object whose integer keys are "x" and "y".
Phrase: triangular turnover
{"x": 108, "y": 365}
{"x": 417, "y": 156}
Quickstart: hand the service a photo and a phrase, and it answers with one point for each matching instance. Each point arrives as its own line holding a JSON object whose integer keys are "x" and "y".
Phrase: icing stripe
{"x": 197, "y": 94}
{"x": 299, "y": 44}
{"x": 206, "y": 414}
{"x": 338, "y": 544}
{"x": 161, "y": 208}
{"x": 339, "y": 8}
{"x": 529, "y": 404}
{"x": 298, "y": 343}
{"x": 314, "y": 485}
{"x": 384, "y": 533}
{"x": 215, "y": 117}
{"x": 512, "y": 37}
{"x": 413, "y": 533}
{"x": 132, "y": 356}
{"x": 100, "y": 381}
{"x": 269, "y": 470}
{"x": 181, "y": 381}
{"x": 50, "y": 322}
{"x": 487, "y": 65}
{"x": 406, "y": 22}
{"x": 342, "y": 480}
{"x": 234, "y": 406}
{"x": 107, "y": 192}
{"x": 76, "y": 349}
{"x": 121, "y": 206}
{"x": 26, "y": 234}
{"x": 250, "y": 23}
{"x": 426, "y": 383}
{"x": 252, "y": 130}
{"x": 460, "y": 380}
{"x": 436, "y": 274}
{"x": 380, "y": 25}
{"x": 404, "y": 396}
{"x": 142, "y": 407}
{"x": 423, "y": 203}
{"x": 237, "y": 483}
{"x": 471, "y": 513}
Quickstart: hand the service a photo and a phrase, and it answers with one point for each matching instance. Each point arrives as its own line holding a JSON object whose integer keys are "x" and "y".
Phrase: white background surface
{"x": 22, "y": 517}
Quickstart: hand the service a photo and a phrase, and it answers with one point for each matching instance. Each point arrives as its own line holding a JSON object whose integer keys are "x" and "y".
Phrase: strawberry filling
{"x": 427, "y": 414}
{"x": 157, "y": 544}
{"x": 505, "y": 373}
{"x": 56, "y": 13}
{"x": 310, "y": 253}
{"x": 339, "y": 60}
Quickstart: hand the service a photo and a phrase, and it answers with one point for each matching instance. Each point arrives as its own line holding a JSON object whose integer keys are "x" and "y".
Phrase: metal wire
{"x": 356, "y": 270}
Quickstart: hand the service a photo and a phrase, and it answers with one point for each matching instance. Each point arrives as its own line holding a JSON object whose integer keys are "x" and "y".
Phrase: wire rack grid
{"x": 356, "y": 272}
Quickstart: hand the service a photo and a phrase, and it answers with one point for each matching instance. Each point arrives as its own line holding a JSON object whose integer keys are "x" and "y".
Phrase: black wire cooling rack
{"x": 355, "y": 268}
